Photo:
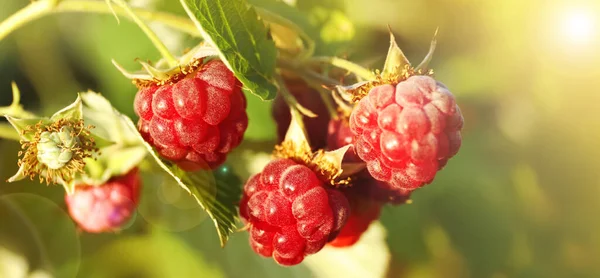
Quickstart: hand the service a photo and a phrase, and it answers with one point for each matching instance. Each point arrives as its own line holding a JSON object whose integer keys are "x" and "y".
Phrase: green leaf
{"x": 242, "y": 40}
{"x": 217, "y": 192}
{"x": 107, "y": 121}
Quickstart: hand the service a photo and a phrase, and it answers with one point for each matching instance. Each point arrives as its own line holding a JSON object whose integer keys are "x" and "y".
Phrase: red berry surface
{"x": 105, "y": 208}
{"x": 363, "y": 211}
{"x": 339, "y": 135}
{"x": 197, "y": 120}
{"x": 406, "y": 133}
{"x": 290, "y": 212}
{"x": 310, "y": 99}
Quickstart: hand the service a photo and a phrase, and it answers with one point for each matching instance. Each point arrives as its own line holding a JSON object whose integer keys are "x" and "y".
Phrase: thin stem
{"x": 347, "y": 65}
{"x": 290, "y": 100}
{"x": 31, "y": 12}
{"x": 39, "y": 9}
{"x": 323, "y": 93}
{"x": 160, "y": 46}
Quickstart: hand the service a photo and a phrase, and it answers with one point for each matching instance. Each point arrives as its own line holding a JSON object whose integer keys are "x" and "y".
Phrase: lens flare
{"x": 579, "y": 26}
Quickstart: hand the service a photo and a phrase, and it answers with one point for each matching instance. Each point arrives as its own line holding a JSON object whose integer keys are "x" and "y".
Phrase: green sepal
{"x": 21, "y": 125}
{"x": 425, "y": 63}
{"x": 73, "y": 111}
{"x": 18, "y": 176}
{"x": 120, "y": 149}
{"x": 395, "y": 60}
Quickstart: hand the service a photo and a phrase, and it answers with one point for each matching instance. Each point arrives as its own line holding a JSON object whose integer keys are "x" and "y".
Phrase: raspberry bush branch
{"x": 41, "y": 8}
{"x": 160, "y": 46}
{"x": 399, "y": 123}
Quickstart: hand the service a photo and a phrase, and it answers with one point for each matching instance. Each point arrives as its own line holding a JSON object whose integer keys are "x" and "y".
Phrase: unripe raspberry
{"x": 196, "y": 120}
{"x": 310, "y": 99}
{"x": 105, "y": 208}
{"x": 406, "y": 133}
{"x": 290, "y": 212}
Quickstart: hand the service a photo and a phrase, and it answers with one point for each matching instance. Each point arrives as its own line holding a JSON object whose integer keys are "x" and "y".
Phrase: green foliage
{"x": 242, "y": 40}
{"x": 258, "y": 128}
{"x": 155, "y": 255}
{"x": 323, "y": 21}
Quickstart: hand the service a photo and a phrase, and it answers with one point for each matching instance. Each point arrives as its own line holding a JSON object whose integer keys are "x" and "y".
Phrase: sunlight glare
{"x": 578, "y": 26}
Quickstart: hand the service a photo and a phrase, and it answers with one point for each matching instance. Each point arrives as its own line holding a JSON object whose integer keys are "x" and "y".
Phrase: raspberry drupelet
{"x": 339, "y": 135}
{"x": 105, "y": 208}
{"x": 407, "y": 132}
{"x": 290, "y": 211}
{"x": 196, "y": 120}
{"x": 363, "y": 211}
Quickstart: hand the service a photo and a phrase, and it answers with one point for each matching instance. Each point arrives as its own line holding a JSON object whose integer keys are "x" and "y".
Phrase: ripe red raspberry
{"x": 290, "y": 212}
{"x": 363, "y": 211}
{"x": 339, "y": 135}
{"x": 107, "y": 207}
{"x": 196, "y": 120}
{"x": 310, "y": 99}
{"x": 406, "y": 133}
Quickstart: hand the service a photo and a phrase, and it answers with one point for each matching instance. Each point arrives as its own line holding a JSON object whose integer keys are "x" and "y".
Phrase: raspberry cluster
{"x": 105, "y": 208}
{"x": 290, "y": 212}
{"x": 196, "y": 120}
{"x": 406, "y": 133}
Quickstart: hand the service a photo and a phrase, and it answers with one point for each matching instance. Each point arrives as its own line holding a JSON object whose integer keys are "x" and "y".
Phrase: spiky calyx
{"x": 309, "y": 98}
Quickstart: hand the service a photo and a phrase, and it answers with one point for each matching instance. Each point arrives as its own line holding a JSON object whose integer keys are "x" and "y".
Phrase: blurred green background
{"x": 521, "y": 199}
